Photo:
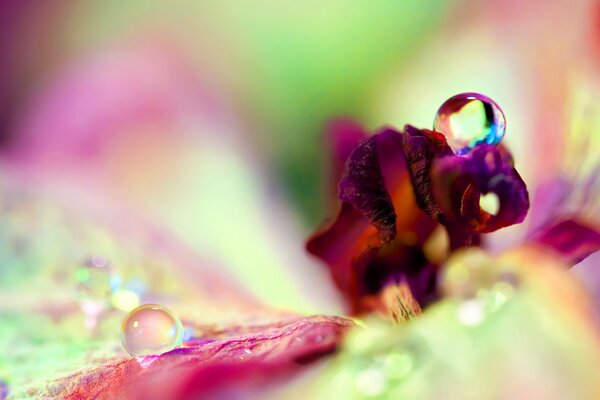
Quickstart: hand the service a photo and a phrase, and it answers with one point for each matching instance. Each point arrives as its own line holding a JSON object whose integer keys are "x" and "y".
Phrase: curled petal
{"x": 485, "y": 170}
{"x": 449, "y": 187}
{"x": 420, "y": 148}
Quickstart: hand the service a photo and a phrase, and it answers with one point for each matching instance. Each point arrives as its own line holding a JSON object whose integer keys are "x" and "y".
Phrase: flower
{"x": 397, "y": 188}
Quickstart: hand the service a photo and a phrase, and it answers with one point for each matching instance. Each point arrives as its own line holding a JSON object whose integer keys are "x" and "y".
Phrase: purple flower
{"x": 398, "y": 187}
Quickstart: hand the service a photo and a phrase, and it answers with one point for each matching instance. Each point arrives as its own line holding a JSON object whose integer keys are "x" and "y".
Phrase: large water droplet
{"x": 151, "y": 329}
{"x": 469, "y": 119}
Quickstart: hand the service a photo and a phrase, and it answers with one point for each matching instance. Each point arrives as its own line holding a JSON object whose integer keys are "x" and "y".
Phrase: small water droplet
{"x": 151, "y": 329}
{"x": 470, "y": 119}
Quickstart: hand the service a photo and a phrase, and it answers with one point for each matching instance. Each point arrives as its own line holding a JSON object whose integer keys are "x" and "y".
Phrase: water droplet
{"x": 469, "y": 119}
{"x": 151, "y": 329}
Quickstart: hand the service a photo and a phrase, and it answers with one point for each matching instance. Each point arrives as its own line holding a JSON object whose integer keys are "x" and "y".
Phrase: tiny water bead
{"x": 151, "y": 329}
{"x": 470, "y": 119}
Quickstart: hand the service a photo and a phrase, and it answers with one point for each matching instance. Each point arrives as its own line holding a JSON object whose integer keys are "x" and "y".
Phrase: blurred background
{"x": 206, "y": 120}
{"x": 209, "y": 116}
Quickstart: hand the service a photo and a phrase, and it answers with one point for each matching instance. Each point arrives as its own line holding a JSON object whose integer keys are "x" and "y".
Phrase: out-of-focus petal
{"x": 343, "y": 136}
{"x": 572, "y": 239}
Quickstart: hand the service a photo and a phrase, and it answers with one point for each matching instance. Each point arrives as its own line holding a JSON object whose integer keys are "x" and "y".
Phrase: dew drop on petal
{"x": 469, "y": 119}
{"x": 151, "y": 329}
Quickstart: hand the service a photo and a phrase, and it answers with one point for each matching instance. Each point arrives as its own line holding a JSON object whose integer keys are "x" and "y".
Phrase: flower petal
{"x": 362, "y": 247}
{"x": 449, "y": 187}
{"x": 573, "y": 239}
{"x": 285, "y": 345}
{"x": 364, "y": 188}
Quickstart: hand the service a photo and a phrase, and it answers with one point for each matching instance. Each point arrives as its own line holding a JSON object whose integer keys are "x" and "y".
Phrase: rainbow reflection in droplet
{"x": 151, "y": 329}
{"x": 470, "y": 119}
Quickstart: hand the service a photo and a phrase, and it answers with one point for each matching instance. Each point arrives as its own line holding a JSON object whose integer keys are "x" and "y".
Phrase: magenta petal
{"x": 572, "y": 239}
{"x": 283, "y": 346}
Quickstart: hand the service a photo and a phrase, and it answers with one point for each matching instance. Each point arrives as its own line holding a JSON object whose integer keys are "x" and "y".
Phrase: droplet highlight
{"x": 470, "y": 119}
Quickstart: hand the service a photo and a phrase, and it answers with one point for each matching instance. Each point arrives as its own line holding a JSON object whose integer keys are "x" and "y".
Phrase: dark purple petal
{"x": 364, "y": 188}
{"x": 420, "y": 148}
{"x": 354, "y": 245}
{"x": 487, "y": 169}
{"x": 449, "y": 187}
